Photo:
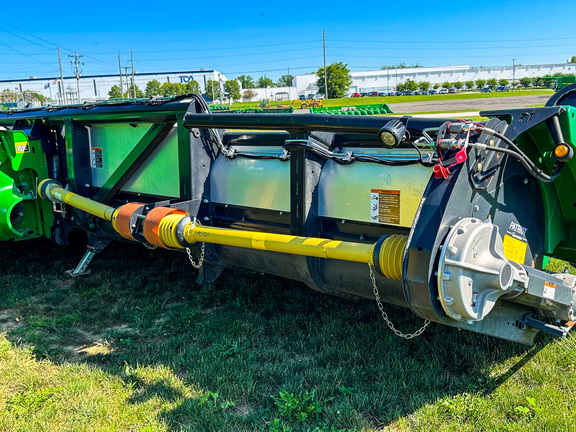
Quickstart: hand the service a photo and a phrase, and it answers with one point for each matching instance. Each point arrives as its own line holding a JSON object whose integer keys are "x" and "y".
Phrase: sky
{"x": 267, "y": 38}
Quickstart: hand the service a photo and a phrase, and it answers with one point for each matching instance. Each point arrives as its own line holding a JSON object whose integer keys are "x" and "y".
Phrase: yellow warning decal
{"x": 22, "y": 146}
{"x": 514, "y": 249}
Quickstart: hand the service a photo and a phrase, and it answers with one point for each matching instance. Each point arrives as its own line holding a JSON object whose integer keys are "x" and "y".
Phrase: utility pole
{"x": 127, "y": 85}
{"x": 75, "y": 63}
{"x": 325, "y": 73}
{"x": 513, "y": 72}
{"x": 120, "y": 71}
{"x": 62, "y": 91}
{"x": 220, "y": 86}
{"x": 132, "y": 66}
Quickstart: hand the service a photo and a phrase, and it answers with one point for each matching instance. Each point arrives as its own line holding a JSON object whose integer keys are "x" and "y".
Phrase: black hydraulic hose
{"x": 526, "y": 162}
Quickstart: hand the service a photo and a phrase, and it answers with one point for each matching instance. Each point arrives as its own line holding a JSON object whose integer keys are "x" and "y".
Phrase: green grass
{"x": 401, "y": 99}
{"x": 138, "y": 346}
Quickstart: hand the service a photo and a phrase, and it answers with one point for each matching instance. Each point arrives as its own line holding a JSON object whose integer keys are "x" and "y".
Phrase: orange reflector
{"x": 561, "y": 150}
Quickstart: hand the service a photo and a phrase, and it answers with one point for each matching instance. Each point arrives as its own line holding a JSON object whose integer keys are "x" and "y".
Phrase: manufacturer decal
{"x": 22, "y": 147}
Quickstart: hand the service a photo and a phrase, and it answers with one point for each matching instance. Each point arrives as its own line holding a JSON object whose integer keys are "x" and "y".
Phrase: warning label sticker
{"x": 549, "y": 290}
{"x": 96, "y": 157}
{"x": 514, "y": 249}
{"x": 385, "y": 206}
{"x": 22, "y": 147}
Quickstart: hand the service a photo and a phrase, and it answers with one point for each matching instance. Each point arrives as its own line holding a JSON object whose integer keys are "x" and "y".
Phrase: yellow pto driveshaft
{"x": 174, "y": 229}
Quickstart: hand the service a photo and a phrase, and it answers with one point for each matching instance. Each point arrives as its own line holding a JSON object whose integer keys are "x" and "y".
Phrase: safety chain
{"x": 148, "y": 246}
{"x": 385, "y": 315}
{"x": 191, "y": 258}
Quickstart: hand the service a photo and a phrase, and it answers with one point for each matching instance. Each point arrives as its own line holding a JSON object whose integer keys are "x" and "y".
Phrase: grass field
{"x": 138, "y": 346}
{"x": 401, "y": 99}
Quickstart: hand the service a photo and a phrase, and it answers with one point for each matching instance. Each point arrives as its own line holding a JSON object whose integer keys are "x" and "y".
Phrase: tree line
{"x": 337, "y": 76}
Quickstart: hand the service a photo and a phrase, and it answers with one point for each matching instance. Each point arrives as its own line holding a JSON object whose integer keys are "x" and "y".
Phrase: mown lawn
{"x": 400, "y": 99}
{"x": 138, "y": 346}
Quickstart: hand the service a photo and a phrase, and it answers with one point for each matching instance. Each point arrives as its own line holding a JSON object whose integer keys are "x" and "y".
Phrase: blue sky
{"x": 270, "y": 38}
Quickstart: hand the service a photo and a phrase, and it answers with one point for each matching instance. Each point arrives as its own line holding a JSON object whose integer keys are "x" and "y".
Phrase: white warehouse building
{"x": 96, "y": 87}
{"x": 387, "y": 80}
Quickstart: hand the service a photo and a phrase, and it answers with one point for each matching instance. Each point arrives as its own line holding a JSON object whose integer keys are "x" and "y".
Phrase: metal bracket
{"x": 529, "y": 320}
{"x": 82, "y": 267}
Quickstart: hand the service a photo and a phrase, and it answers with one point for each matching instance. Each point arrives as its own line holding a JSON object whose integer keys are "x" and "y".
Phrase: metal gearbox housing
{"x": 473, "y": 272}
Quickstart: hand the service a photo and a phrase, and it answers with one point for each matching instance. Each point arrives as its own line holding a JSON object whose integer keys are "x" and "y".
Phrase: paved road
{"x": 468, "y": 104}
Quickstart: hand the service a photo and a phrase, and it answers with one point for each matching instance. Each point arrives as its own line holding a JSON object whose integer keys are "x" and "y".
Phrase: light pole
{"x": 220, "y": 86}
{"x": 513, "y": 72}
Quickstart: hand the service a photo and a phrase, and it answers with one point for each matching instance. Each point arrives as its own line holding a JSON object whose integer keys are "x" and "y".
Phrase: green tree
{"x": 458, "y": 85}
{"x": 410, "y": 85}
{"x": 400, "y": 87}
{"x": 423, "y": 86}
{"x": 480, "y": 83}
{"x": 232, "y": 89}
{"x": 285, "y": 80}
{"x": 115, "y": 92}
{"x": 249, "y": 94}
{"x": 446, "y": 85}
{"x": 469, "y": 84}
{"x": 168, "y": 89}
{"x": 436, "y": 86}
{"x": 339, "y": 80}
{"x": 212, "y": 89}
{"x": 192, "y": 86}
{"x": 264, "y": 82}
{"x": 401, "y": 66}
{"x": 152, "y": 88}
{"x": 133, "y": 89}
{"x": 247, "y": 81}
{"x": 525, "y": 82}
{"x": 503, "y": 82}
{"x": 492, "y": 83}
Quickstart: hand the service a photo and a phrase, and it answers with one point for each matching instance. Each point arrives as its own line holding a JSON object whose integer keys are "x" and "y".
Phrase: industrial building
{"x": 96, "y": 87}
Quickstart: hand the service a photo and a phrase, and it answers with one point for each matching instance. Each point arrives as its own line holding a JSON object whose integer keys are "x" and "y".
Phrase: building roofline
{"x": 106, "y": 76}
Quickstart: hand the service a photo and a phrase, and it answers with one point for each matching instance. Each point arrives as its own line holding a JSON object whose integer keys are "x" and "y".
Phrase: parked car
{"x": 391, "y": 94}
{"x": 431, "y": 92}
{"x": 355, "y": 95}
{"x": 486, "y": 90}
{"x": 452, "y": 90}
{"x": 398, "y": 93}
{"x": 443, "y": 91}
{"x": 383, "y": 94}
{"x": 373, "y": 93}
{"x": 302, "y": 97}
{"x": 502, "y": 88}
{"x": 311, "y": 96}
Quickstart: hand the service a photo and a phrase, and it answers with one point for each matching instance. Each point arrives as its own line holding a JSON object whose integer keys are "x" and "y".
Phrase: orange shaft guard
{"x": 152, "y": 221}
{"x": 122, "y": 219}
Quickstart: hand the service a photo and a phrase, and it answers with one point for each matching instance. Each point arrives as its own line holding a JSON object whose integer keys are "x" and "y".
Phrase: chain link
{"x": 385, "y": 315}
{"x": 191, "y": 258}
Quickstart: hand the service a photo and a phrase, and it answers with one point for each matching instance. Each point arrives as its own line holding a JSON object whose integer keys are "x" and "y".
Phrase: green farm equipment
{"x": 263, "y": 107}
{"x": 557, "y": 83}
{"x": 452, "y": 219}
{"x": 354, "y": 110}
